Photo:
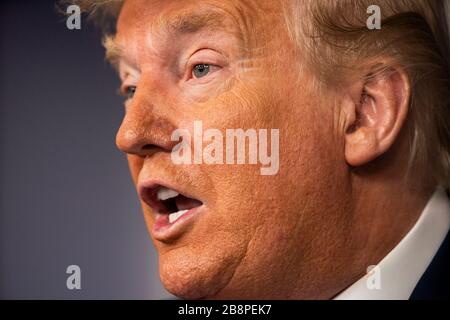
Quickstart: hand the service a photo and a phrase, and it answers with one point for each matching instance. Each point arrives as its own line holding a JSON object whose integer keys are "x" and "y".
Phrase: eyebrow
{"x": 114, "y": 51}
{"x": 178, "y": 24}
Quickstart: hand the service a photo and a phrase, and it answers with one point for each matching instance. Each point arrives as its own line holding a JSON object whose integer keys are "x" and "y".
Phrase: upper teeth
{"x": 165, "y": 194}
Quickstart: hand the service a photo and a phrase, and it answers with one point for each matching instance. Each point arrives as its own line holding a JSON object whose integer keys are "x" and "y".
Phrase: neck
{"x": 384, "y": 213}
{"x": 387, "y": 203}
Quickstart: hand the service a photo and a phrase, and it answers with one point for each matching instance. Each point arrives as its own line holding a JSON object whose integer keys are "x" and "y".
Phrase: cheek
{"x": 307, "y": 157}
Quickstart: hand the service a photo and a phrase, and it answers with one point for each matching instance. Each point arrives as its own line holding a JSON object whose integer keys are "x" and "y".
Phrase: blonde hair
{"x": 334, "y": 36}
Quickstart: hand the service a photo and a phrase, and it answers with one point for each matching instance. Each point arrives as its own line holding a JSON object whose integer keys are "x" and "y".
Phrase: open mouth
{"x": 175, "y": 204}
{"x": 168, "y": 204}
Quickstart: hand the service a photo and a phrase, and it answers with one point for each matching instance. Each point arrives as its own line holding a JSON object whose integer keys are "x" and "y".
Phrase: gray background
{"x": 65, "y": 195}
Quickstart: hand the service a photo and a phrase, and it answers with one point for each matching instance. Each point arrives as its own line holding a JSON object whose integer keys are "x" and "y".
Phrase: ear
{"x": 376, "y": 115}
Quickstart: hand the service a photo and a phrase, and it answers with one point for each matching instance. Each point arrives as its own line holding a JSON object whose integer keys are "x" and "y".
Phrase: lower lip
{"x": 163, "y": 230}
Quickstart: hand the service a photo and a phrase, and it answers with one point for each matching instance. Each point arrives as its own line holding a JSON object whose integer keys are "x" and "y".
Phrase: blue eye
{"x": 200, "y": 70}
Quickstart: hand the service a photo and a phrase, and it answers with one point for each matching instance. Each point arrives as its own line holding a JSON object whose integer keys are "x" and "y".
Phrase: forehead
{"x": 243, "y": 18}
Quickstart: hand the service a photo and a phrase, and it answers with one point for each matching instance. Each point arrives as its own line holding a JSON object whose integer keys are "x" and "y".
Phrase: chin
{"x": 194, "y": 276}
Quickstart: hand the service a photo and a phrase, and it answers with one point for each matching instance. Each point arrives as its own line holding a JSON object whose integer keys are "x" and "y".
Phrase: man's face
{"x": 231, "y": 64}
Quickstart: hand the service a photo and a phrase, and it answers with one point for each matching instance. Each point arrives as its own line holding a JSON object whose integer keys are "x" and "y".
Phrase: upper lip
{"x": 148, "y": 189}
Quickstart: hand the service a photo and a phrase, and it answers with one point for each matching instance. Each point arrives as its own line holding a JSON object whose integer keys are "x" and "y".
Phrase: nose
{"x": 143, "y": 131}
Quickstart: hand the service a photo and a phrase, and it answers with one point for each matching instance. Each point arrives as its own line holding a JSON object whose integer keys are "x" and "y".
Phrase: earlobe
{"x": 378, "y": 117}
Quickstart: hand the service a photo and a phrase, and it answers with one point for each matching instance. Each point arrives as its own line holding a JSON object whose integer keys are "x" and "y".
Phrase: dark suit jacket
{"x": 435, "y": 282}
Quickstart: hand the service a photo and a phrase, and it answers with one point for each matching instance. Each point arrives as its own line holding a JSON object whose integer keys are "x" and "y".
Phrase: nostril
{"x": 149, "y": 147}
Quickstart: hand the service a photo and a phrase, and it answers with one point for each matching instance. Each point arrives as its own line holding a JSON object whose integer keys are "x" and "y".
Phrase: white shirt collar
{"x": 396, "y": 276}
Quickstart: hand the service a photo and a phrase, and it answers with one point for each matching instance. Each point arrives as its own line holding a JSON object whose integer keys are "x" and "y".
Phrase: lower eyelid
{"x": 204, "y": 80}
